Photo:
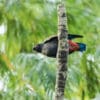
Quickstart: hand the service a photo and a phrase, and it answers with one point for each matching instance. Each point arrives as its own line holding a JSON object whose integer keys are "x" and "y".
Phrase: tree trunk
{"x": 62, "y": 53}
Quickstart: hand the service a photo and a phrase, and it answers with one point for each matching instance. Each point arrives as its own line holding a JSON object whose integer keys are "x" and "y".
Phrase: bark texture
{"x": 62, "y": 53}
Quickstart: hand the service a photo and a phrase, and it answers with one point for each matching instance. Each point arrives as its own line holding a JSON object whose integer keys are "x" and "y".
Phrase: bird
{"x": 49, "y": 47}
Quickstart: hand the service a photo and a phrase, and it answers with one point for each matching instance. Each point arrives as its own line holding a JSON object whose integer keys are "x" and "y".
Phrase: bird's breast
{"x": 50, "y": 49}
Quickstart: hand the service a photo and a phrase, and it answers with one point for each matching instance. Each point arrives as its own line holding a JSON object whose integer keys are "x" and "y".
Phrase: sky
{"x": 2, "y": 29}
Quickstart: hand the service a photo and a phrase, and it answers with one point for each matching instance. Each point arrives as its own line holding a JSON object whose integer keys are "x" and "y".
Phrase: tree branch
{"x": 62, "y": 53}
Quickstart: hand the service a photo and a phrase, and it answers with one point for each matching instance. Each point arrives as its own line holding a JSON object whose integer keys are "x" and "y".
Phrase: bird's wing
{"x": 53, "y": 38}
{"x": 70, "y": 37}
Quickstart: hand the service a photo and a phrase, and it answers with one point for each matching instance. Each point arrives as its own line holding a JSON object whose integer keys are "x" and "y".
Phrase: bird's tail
{"x": 73, "y": 36}
{"x": 82, "y": 47}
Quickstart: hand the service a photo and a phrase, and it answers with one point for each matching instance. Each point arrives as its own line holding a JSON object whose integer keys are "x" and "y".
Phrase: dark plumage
{"x": 50, "y": 46}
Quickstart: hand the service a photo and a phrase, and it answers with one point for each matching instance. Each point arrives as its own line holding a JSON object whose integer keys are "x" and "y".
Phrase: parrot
{"x": 49, "y": 47}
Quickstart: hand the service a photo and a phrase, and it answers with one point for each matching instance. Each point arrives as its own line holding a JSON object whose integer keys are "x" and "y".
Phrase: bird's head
{"x": 38, "y": 47}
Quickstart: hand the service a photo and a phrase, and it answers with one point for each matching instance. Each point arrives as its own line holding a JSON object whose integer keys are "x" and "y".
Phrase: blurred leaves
{"x": 25, "y": 75}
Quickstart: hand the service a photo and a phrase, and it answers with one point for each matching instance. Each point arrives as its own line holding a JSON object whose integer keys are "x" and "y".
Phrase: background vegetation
{"x": 26, "y": 75}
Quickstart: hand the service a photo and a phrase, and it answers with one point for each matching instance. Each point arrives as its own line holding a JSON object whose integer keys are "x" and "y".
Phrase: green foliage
{"x": 26, "y": 75}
